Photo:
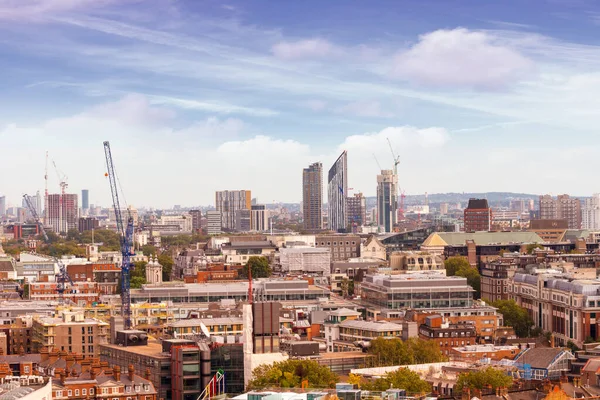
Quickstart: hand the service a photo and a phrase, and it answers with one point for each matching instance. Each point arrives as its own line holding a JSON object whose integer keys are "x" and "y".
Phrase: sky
{"x": 203, "y": 95}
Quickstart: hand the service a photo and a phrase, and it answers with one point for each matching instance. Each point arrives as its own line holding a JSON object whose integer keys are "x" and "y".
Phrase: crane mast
{"x": 126, "y": 236}
{"x": 35, "y": 216}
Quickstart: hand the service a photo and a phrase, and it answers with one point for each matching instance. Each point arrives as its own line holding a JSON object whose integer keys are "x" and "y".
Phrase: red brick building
{"x": 478, "y": 216}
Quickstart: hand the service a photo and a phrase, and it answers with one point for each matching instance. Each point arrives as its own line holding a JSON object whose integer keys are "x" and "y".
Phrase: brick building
{"x": 478, "y": 216}
{"x": 446, "y": 334}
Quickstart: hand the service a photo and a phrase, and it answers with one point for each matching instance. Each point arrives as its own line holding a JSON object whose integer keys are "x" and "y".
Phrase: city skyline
{"x": 255, "y": 91}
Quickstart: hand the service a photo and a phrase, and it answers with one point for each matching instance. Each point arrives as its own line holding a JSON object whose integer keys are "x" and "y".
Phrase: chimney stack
{"x": 63, "y": 376}
{"x": 147, "y": 374}
{"x": 117, "y": 373}
{"x": 131, "y": 372}
{"x": 44, "y": 353}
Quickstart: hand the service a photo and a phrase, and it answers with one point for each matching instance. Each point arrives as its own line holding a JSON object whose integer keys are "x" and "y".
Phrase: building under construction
{"x": 62, "y": 213}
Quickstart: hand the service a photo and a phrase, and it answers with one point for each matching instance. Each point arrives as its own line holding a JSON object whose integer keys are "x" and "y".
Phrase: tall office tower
{"x": 478, "y": 216}
{"x": 85, "y": 199}
{"x": 387, "y": 199}
{"x": 36, "y": 201}
{"x": 2, "y": 206}
{"x": 357, "y": 209}
{"x": 590, "y": 213}
{"x": 260, "y": 218}
{"x": 563, "y": 207}
{"x": 228, "y": 202}
{"x": 213, "y": 222}
{"x": 337, "y": 190}
{"x": 65, "y": 218}
{"x": 312, "y": 196}
{"x": 196, "y": 217}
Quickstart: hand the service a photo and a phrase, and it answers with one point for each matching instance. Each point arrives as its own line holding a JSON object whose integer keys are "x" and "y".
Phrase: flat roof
{"x": 152, "y": 349}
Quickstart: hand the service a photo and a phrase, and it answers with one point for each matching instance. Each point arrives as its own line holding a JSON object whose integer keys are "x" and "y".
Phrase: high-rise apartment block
{"x": 478, "y": 216}
{"x": 563, "y": 207}
{"x": 85, "y": 199}
{"x": 2, "y": 205}
{"x": 357, "y": 210}
{"x": 312, "y": 196}
{"x": 228, "y": 202}
{"x": 196, "y": 218}
{"x": 337, "y": 189}
{"x": 260, "y": 218}
{"x": 65, "y": 217}
{"x": 213, "y": 222}
{"x": 387, "y": 199}
{"x": 590, "y": 213}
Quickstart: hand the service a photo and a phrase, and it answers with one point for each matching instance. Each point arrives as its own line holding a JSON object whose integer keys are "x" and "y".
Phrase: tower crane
{"x": 377, "y": 161}
{"x": 396, "y": 158}
{"x": 62, "y": 181}
{"x": 62, "y": 278}
{"x": 35, "y": 216}
{"x": 126, "y": 232}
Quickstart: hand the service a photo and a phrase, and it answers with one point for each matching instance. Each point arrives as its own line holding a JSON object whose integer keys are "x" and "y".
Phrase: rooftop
{"x": 152, "y": 349}
{"x": 377, "y": 326}
{"x": 438, "y": 239}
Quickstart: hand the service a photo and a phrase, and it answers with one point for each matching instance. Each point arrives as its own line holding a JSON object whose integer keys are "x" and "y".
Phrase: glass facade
{"x": 337, "y": 191}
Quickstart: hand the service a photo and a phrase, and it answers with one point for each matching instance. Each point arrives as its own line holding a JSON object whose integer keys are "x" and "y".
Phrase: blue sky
{"x": 197, "y": 96}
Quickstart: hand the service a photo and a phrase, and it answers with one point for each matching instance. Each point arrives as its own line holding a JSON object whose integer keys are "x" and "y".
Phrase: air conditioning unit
{"x": 131, "y": 337}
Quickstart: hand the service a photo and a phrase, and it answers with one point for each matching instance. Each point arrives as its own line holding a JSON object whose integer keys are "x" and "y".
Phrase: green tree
{"x": 291, "y": 373}
{"x": 108, "y": 240}
{"x": 25, "y": 291}
{"x": 453, "y": 264}
{"x": 136, "y": 282}
{"x": 473, "y": 278}
{"x": 139, "y": 270}
{"x": 514, "y": 316}
{"x": 73, "y": 235}
{"x": 532, "y": 246}
{"x": 148, "y": 250}
{"x": 402, "y": 378}
{"x": 259, "y": 266}
{"x": 480, "y": 379}
{"x": 167, "y": 263}
{"x": 398, "y": 352}
{"x": 572, "y": 346}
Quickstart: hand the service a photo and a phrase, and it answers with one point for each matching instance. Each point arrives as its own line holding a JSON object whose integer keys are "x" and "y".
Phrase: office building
{"x": 312, "y": 196}
{"x": 590, "y": 213}
{"x": 561, "y": 207}
{"x": 196, "y": 219}
{"x": 184, "y": 221}
{"x": 305, "y": 259}
{"x": 478, "y": 216}
{"x": 36, "y": 202}
{"x": 496, "y": 277}
{"x": 85, "y": 199}
{"x": 65, "y": 217}
{"x": 259, "y": 219}
{"x": 337, "y": 191}
{"x": 70, "y": 331}
{"x": 447, "y": 335}
{"x": 387, "y": 200}
{"x": 243, "y": 220}
{"x": 88, "y": 224}
{"x": 213, "y": 222}
{"x": 229, "y": 202}
{"x": 2, "y": 206}
{"x": 356, "y": 208}
{"x": 341, "y": 246}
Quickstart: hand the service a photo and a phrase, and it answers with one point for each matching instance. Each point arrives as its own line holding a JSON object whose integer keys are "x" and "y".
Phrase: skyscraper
{"x": 228, "y": 202}
{"x": 563, "y": 207}
{"x": 337, "y": 190}
{"x": 312, "y": 196}
{"x": 260, "y": 218}
{"x": 65, "y": 218}
{"x": 590, "y": 213}
{"x": 387, "y": 199}
{"x": 85, "y": 199}
{"x": 2, "y": 206}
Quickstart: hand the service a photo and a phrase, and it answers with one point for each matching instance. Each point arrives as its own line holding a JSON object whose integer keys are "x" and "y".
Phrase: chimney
{"x": 63, "y": 376}
{"x": 44, "y": 353}
{"x": 70, "y": 360}
{"x": 92, "y": 374}
{"x": 147, "y": 374}
{"x": 96, "y": 368}
{"x": 117, "y": 373}
{"x": 53, "y": 356}
{"x": 131, "y": 372}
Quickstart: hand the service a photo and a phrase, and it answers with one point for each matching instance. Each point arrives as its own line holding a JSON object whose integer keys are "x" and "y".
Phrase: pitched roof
{"x": 591, "y": 365}
{"x": 540, "y": 357}
{"x": 7, "y": 266}
{"x": 481, "y": 238}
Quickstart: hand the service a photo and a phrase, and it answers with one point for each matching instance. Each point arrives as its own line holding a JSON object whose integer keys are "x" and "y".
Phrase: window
{"x": 76, "y": 392}
{"x": 69, "y": 393}
{"x": 83, "y": 392}
{"x": 91, "y": 390}
{"x": 104, "y": 390}
{"x": 59, "y": 393}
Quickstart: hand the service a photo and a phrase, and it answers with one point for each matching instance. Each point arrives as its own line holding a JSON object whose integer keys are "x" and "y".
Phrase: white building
{"x": 154, "y": 272}
{"x": 213, "y": 222}
{"x": 590, "y": 213}
{"x": 259, "y": 218}
{"x": 184, "y": 221}
{"x": 306, "y": 259}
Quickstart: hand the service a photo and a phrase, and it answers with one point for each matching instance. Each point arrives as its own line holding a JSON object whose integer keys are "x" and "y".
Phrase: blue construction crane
{"x": 126, "y": 232}
{"x": 62, "y": 278}
{"x": 35, "y": 216}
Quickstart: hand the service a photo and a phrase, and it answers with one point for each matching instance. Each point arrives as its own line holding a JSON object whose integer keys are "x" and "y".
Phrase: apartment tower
{"x": 312, "y": 196}
{"x": 562, "y": 207}
{"x": 337, "y": 189}
{"x": 387, "y": 199}
{"x": 230, "y": 202}
{"x": 61, "y": 219}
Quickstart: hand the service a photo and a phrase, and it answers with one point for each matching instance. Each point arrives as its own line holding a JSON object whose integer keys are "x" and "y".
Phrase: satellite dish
{"x": 204, "y": 329}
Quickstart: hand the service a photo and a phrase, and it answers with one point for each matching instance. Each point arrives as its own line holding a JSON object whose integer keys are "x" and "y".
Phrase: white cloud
{"x": 212, "y": 106}
{"x": 461, "y": 58}
{"x": 305, "y": 49}
{"x": 13, "y": 9}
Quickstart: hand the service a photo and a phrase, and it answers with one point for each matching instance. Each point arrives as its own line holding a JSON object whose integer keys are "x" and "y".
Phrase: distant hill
{"x": 494, "y": 198}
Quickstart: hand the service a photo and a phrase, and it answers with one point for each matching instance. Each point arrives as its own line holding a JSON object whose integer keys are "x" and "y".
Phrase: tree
{"x": 403, "y": 378}
{"x": 148, "y": 250}
{"x": 291, "y": 373}
{"x": 480, "y": 379}
{"x": 572, "y": 346}
{"x": 108, "y": 240}
{"x": 398, "y": 352}
{"x": 136, "y": 282}
{"x": 514, "y": 316}
{"x": 453, "y": 264}
{"x": 139, "y": 270}
{"x": 532, "y": 246}
{"x": 259, "y": 266}
{"x": 74, "y": 235}
{"x": 459, "y": 266}
{"x": 167, "y": 263}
